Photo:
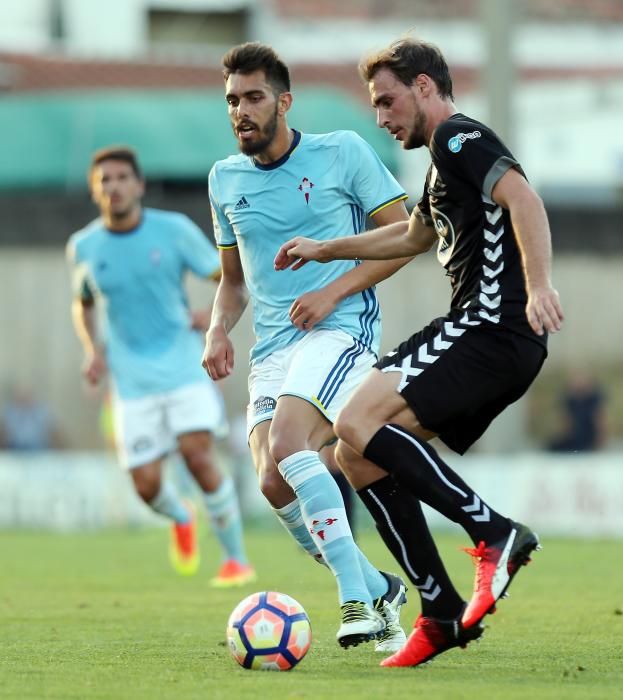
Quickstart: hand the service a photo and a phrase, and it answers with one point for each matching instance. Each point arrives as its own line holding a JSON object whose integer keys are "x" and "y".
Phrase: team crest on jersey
{"x": 264, "y": 404}
{"x": 456, "y": 142}
{"x": 305, "y": 187}
{"x": 445, "y": 231}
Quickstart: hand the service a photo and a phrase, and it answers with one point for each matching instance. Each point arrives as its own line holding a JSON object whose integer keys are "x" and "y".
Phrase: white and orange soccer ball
{"x": 268, "y": 631}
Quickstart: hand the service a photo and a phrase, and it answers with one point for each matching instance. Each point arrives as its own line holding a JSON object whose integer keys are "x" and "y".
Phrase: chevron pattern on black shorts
{"x": 414, "y": 364}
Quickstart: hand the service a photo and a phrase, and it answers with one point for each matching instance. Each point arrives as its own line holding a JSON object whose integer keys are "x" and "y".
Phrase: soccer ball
{"x": 268, "y": 631}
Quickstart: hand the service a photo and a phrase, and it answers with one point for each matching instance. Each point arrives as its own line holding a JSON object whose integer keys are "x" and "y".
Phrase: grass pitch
{"x": 102, "y": 616}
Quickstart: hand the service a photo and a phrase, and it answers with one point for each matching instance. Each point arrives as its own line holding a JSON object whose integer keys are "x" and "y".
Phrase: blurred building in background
{"x": 79, "y": 74}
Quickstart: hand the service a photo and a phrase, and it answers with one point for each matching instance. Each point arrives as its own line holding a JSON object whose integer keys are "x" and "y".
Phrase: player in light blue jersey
{"x": 317, "y": 334}
{"x": 133, "y": 261}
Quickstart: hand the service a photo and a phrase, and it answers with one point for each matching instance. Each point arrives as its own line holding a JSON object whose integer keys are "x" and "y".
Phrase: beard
{"x": 263, "y": 139}
{"x": 416, "y": 137}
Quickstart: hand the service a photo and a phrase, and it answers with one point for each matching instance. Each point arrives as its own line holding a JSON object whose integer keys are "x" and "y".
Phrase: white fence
{"x": 577, "y": 495}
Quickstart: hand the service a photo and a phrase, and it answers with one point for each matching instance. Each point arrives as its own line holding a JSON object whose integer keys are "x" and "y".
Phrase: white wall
{"x": 38, "y": 346}
{"x": 579, "y": 496}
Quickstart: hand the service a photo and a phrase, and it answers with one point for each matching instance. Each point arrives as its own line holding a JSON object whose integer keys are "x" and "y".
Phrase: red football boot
{"x": 496, "y": 566}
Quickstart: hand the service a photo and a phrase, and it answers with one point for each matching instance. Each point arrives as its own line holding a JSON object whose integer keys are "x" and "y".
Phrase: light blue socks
{"x": 224, "y": 514}
{"x": 323, "y": 512}
{"x": 169, "y": 503}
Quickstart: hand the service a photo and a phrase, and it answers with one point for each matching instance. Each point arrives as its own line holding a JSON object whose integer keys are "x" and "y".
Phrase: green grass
{"x": 101, "y": 616}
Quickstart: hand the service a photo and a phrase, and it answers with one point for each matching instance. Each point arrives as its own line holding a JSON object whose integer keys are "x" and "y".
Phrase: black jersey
{"x": 477, "y": 245}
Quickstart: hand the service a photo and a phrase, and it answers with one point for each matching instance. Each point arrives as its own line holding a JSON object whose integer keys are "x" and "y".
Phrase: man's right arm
{"x": 230, "y": 302}
{"x": 398, "y": 240}
{"x": 84, "y": 321}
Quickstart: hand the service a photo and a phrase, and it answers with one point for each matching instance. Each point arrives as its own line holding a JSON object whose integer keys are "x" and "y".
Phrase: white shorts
{"x": 147, "y": 428}
{"x": 324, "y": 368}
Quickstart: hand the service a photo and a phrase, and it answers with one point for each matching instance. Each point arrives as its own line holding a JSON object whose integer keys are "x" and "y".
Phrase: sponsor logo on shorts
{"x": 456, "y": 142}
{"x": 264, "y": 404}
{"x": 141, "y": 444}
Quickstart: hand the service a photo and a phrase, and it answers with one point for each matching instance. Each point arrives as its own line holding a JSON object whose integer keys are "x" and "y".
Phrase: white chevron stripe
{"x": 484, "y": 517}
{"x": 452, "y": 331}
{"x": 488, "y": 317}
{"x": 425, "y": 589}
{"x": 423, "y": 356}
{"x": 433, "y": 594}
{"x": 493, "y": 255}
{"x": 490, "y": 303}
{"x": 466, "y": 321}
{"x": 440, "y": 344}
{"x": 474, "y": 506}
{"x": 490, "y": 288}
{"x": 494, "y": 237}
{"x": 492, "y": 272}
{"x": 494, "y": 215}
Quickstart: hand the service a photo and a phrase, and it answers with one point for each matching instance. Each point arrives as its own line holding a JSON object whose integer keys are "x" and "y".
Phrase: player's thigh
{"x": 197, "y": 409}
{"x": 325, "y": 370}
{"x": 142, "y": 433}
{"x": 265, "y": 381}
{"x": 297, "y": 425}
{"x": 450, "y": 373}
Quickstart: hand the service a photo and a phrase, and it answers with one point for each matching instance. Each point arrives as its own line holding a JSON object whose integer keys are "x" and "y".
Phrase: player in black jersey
{"x": 452, "y": 378}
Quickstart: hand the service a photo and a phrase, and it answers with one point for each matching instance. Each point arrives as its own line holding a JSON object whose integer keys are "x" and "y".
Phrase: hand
{"x": 543, "y": 310}
{"x": 297, "y": 251}
{"x": 218, "y": 356}
{"x": 311, "y": 308}
{"x": 94, "y": 367}
{"x": 200, "y": 319}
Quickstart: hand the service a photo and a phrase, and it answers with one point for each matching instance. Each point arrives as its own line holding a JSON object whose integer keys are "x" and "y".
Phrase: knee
{"x": 197, "y": 454}
{"x": 147, "y": 485}
{"x": 345, "y": 457}
{"x": 273, "y": 487}
{"x": 282, "y": 445}
{"x": 346, "y": 429}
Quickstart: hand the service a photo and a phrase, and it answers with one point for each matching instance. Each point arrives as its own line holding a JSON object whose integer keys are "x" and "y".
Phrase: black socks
{"x": 401, "y": 523}
{"x": 418, "y": 467}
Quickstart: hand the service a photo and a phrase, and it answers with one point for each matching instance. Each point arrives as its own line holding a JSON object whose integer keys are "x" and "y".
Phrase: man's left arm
{"x": 529, "y": 219}
{"x": 311, "y": 308}
{"x": 200, "y": 318}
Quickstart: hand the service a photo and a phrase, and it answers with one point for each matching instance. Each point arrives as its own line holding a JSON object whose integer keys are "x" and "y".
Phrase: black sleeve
{"x": 423, "y": 205}
{"x": 473, "y": 153}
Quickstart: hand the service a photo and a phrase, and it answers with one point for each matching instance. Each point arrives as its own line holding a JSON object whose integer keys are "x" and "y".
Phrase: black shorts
{"x": 457, "y": 378}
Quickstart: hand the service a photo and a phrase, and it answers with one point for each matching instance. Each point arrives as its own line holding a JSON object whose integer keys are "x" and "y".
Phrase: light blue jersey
{"x": 322, "y": 188}
{"x": 139, "y": 275}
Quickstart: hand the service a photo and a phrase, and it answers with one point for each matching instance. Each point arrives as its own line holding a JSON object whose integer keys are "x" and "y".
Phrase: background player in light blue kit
{"x": 133, "y": 260}
{"x": 317, "y": 334}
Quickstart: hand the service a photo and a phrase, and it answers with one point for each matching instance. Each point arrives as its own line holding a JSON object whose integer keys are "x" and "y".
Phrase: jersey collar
{"x": 280, "y": 161}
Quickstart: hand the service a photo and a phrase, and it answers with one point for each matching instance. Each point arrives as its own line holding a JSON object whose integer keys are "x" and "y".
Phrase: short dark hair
{"x": 252, "y": 56}
{"x": 406, "y": 59}
{"x": 122, "y": 153}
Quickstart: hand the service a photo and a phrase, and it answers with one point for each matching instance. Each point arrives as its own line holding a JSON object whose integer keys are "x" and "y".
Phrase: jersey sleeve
{"x": 422, "y": 208}
{"x": 366, "y": 178}
{"x": 197, "y": 251}
{"x": 78, "y": 270}
{"x": 224, "y": 234}
{"x": 473, "y": 153}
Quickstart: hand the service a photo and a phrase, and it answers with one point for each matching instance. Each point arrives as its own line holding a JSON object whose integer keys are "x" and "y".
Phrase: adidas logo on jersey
{"x": 242, "y": 204}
